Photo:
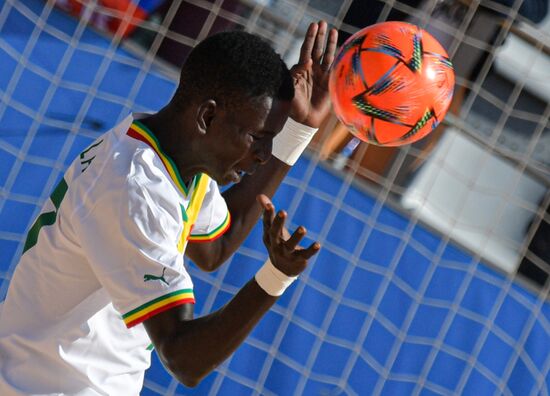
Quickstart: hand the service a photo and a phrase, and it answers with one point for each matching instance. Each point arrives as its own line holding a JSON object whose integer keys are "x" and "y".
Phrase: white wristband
{"x": 272, "y": 280}
{"x": 289, "y": 144}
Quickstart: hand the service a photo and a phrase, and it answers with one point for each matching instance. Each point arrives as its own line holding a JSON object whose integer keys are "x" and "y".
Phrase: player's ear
{"x": 205, "y": 114}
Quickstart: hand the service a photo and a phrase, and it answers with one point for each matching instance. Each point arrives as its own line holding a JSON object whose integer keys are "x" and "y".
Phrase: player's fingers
{"x": 330, "y": 51}
{"x": 286, "y": 234}
{"x": 276, "y": 230}
{"x": 307, "y": 45}
{"x": 268, "y": 211}
{"x": 266, "y": 225}
{"x": 309, "y": 252}
{"x": 319, "y": 45}
{"x": 295, "y": 238}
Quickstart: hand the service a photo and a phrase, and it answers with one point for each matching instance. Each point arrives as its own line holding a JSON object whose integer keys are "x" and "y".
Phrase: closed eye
{"x": 255, "y": 137}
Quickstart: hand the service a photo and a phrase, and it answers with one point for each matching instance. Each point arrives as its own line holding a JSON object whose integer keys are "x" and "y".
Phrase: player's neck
{"x": 175, "y": 140}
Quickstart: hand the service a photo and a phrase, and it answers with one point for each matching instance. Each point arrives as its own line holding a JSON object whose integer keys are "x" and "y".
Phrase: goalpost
{"x": 433, "y": 276}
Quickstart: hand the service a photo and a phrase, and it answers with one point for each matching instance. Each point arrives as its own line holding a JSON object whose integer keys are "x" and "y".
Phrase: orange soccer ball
{"x": 391, "y": 83}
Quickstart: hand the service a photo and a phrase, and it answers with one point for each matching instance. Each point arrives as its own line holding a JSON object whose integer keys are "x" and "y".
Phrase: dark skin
{"x": 251, "y": 129}
{"x": 310, "y": 106}
{"x": 212, "y": 338}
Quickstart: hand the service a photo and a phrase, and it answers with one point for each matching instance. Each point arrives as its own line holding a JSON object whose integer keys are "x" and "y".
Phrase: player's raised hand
{"x": 284, "y": 252}
{"x": 311, "y": 101}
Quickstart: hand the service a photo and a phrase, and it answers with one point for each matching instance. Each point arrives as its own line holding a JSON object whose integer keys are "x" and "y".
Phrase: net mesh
{"x": 433, "y": 277}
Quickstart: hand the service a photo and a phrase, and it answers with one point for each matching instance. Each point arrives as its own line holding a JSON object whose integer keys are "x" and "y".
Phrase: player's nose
{"x": 263, "y": 151}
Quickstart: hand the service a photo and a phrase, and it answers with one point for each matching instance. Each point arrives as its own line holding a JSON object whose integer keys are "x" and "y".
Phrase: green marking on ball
{"x": 372, "y": 111}
{"x": 416, "y": 61}
{"x": 428, "y": 115}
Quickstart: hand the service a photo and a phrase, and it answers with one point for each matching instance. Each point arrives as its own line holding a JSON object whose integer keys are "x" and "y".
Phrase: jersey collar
{"x": 141, "y": 132}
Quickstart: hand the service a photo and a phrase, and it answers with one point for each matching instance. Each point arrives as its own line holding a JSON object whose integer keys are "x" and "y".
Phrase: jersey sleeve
{"x": 214, "y": 218}
{"x": 130, "y": 237}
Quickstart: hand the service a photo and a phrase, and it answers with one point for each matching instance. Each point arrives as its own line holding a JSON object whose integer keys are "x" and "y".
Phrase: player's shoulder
{"x": 118, "y": 166}
{"x": 125, "y": 154}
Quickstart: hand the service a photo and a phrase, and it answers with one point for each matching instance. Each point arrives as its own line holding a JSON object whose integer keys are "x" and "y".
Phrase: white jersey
{"x": 105, "y": 254}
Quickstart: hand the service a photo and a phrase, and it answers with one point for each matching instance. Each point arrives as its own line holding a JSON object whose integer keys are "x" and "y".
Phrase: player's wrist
{"x": 290, "y": 143}
{"x": 272, "y": 280}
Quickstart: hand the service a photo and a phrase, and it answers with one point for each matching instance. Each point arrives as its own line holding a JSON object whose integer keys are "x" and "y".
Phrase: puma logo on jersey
{"x": 149, "y": 277}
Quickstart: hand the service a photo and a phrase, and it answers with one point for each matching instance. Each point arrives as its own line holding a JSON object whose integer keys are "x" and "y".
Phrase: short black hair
{"x": 231, "y": 67}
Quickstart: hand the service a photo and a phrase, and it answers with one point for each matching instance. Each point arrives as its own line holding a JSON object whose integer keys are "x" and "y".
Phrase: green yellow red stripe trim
{"x": 141, "y": 132}
{"x": 158, "y": 305}
{"x": 197, "y": 197}
{"x": 214, "y": 234}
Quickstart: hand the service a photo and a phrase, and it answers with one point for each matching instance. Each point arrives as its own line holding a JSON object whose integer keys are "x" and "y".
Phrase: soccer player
{"x": 102, "y": 276}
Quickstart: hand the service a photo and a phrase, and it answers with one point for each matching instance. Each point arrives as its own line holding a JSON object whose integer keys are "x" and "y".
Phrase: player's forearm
{"x": 245, "y": 211}
{"x": 198, "y": 346}
{"x": 241, "y": 201}
{"x": 288, "y": 145}
{"x": 193, "y": 348}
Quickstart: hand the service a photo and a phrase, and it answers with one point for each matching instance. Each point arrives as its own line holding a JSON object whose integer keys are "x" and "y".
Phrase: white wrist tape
{"x": 272, "y": 280}
{"x": 290, "y": 143}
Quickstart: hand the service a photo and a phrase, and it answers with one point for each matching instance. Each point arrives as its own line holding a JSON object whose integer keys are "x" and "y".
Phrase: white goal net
{"x": 433, "y": 276}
